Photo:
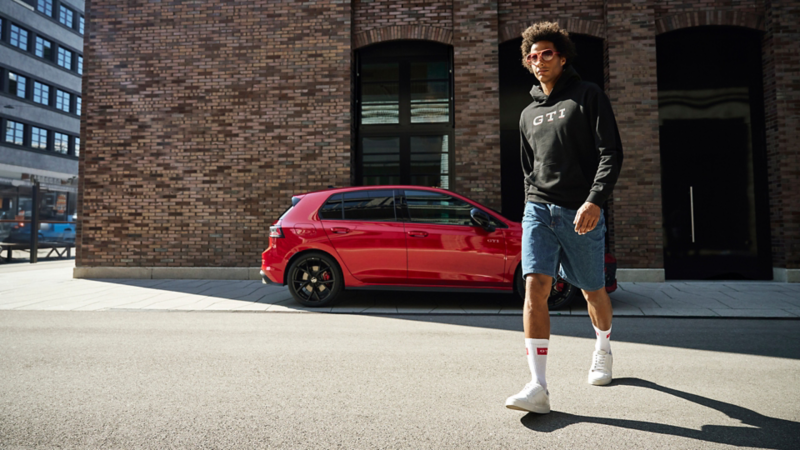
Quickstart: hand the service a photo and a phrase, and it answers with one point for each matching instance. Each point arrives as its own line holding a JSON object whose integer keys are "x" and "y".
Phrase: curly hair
{"x": 547, "y": 31}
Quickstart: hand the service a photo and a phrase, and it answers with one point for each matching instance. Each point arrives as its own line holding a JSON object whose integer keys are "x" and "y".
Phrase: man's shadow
{"x": 769, "y": 432}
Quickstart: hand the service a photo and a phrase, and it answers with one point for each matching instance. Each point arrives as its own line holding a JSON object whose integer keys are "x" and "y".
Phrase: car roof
{"x": 386, "y": 186}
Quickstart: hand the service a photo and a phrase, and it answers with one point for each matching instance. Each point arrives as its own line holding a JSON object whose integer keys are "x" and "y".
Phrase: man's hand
{"x": 587, "y": 218}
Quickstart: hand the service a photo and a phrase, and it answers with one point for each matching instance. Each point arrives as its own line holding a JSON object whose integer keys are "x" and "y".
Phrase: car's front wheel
{"x": 315, "y": 280}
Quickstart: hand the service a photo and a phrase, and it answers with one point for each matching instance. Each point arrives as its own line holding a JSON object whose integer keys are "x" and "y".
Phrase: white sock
{"x": 603, "y": 339}
{"x": 537, "y": 359}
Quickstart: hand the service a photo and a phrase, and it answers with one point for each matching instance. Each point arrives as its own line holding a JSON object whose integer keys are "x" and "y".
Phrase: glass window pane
{"x": 380, "y": 72}
{"x": 39, "y": 138}
{"x": 19, "y": 37}
{"x": 80, "y": 25}
{"x": 380, "y": 103}
{"x": 44, "y": 49}
{"x": 64, "y": 58}
{"x": 78, "y": 106}
{"x": 375, "y": 206}
{"x": 80, "y": 64}
{"x": 380, "y": 145}
{"x": 380, "y": 159}
{"x": 14, "y": 132}
{"x": 77, "y": 146}
{"x": 436, "y": 208}
{"x": 17, "y": 84}
{"x": 45, "y": 7}
{"x": 41, "y": 93}
{"x": 430, "y": 70}
{"x": 61, "y": 143}
{"x": 430, "y": 102}
{"x": 380, "y": 93}
{"x": 332, "y": 209}
{"x": 62, "y": 100}
{"x": 65, "y": 16}
{"x": 430, "y": 158}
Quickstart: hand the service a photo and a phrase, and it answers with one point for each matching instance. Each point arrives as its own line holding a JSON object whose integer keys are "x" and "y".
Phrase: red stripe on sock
{"x": 541, "y": 351}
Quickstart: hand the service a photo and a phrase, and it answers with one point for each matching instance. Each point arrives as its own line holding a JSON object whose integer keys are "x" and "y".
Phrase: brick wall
{"x": 516, "y": 14}
{"x": 632, "y": 89}
{"x": 782, "y": 89}
{"x": 376, "y": 14}
{"x": 477, "y": 100}
{"x": 201, "y": 119}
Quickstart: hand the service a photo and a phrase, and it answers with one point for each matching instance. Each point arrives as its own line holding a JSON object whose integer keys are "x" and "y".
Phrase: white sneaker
{"x": 600, "y": 373}
{"x": 533, "y": 397}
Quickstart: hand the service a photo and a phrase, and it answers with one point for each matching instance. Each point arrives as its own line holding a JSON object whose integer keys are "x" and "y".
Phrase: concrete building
{"x": 41, "y": 65}
{"x": 203, "y": 118}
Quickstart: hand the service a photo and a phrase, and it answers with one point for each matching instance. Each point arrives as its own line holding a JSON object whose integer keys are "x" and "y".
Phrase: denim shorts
{"x": 549, "y": 238}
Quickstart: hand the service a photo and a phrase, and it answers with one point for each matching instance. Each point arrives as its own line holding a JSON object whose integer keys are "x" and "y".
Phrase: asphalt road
{"x": 299, "y": 380}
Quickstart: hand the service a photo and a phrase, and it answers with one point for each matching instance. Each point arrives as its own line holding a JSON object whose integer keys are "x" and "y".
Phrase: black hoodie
{"x": 570, "y": 145}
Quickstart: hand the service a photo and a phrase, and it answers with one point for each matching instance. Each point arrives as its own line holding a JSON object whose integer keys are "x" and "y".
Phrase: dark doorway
{"x": 515, "y": 86}
{"x": 713, "y": 161}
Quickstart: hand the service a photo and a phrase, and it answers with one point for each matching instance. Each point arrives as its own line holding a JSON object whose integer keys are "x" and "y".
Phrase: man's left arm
{"x": 609, "y": 147}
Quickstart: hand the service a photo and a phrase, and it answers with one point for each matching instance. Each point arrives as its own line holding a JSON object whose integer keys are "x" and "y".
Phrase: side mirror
{"x": 482, "y": 219}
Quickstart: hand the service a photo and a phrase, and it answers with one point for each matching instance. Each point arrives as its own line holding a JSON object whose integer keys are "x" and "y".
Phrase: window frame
{"x": 46, "y": 138}
{"x": 64, "y": 100}
{"x": 48, "y": 7}
{"x": 42, "y": 94}
{"x": 21, "y": 30}
{"x": 65, "y": 52}
{"x": 21, "y": 132}
{"x": 405, "y": 53}
{"x": 70, "y": 13}
{"x": 17, "y": 83}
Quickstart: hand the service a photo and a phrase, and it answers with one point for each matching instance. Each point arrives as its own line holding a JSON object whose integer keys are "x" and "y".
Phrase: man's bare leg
{"x": 535, "y": 315}
{"x": 534, "y": 397}
{"x": 599, "y": 306}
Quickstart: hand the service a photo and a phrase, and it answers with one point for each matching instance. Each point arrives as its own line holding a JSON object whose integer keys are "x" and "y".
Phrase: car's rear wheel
{"x": 315, "y": 280}
{"x": 562, "y": 294}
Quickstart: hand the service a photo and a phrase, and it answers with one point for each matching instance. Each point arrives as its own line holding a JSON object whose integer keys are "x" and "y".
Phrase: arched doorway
{"x": 713, "y": 154}
{"x": 515, "y": 87}
{"x": 404, "y": 114}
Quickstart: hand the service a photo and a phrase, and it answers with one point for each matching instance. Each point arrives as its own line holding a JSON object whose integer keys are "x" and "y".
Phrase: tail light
{"x": 275, "y": 231}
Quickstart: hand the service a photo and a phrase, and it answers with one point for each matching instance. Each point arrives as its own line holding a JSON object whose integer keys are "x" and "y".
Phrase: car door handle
{"x": 417, "y": 234}
{"x": 340, "y": 230}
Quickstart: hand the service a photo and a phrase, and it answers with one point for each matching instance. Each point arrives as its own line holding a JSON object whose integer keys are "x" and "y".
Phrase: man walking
{"x": 571, "y": 158}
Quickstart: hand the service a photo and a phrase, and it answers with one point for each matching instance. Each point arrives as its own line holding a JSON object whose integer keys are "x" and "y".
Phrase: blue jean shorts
{"x": 549, "y": 239}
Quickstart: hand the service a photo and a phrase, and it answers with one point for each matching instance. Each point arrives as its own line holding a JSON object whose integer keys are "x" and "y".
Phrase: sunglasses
{"x": 547, "y": 55}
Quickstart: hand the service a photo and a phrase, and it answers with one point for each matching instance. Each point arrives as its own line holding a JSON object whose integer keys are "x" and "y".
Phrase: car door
{"x": 446, "y": 248}
{"x": 368, "y": 236}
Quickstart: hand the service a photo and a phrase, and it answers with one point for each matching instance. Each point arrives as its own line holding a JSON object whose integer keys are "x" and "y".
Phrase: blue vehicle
{"x": 48, "y": 232}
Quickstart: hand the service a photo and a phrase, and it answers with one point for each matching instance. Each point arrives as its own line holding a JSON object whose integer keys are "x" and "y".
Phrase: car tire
{"x": 315, "y": 280}
{"x": 562, "y": 294}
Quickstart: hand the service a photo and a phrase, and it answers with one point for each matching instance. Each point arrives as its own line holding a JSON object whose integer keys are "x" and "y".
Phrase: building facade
{"x": 41, "y": 65}
{"x": 202, "y": 119}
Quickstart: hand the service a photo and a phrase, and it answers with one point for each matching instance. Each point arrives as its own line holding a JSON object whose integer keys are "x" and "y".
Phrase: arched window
{"x": 404, "y": 114}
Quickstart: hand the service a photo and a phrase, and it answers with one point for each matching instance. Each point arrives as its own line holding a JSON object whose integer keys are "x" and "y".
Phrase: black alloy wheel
{"x": 562, "y": 293}
{"x": 315, "y": 280}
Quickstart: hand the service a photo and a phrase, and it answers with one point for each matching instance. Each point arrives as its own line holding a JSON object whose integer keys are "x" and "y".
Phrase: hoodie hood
{"x": 568, "y": 77}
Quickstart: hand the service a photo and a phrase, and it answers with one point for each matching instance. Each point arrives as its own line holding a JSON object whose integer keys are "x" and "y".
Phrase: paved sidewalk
{"x": 49, "y": 286}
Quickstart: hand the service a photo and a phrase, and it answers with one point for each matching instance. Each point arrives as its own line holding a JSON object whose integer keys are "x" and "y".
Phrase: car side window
{"x": 370, "y": 205}
{"x": 332, "y": 209}
{"x": 437, "y": 208}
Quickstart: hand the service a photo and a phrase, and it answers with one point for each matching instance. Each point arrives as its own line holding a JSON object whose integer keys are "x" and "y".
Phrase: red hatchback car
{"x": 395, "y": 237}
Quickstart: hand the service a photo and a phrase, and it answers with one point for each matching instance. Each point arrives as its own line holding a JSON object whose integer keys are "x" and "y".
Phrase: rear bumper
{"x": 266, "y": 279}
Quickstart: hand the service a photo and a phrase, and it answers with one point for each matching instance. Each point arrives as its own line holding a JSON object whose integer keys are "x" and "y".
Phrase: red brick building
{"x": 203, "y": 118}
